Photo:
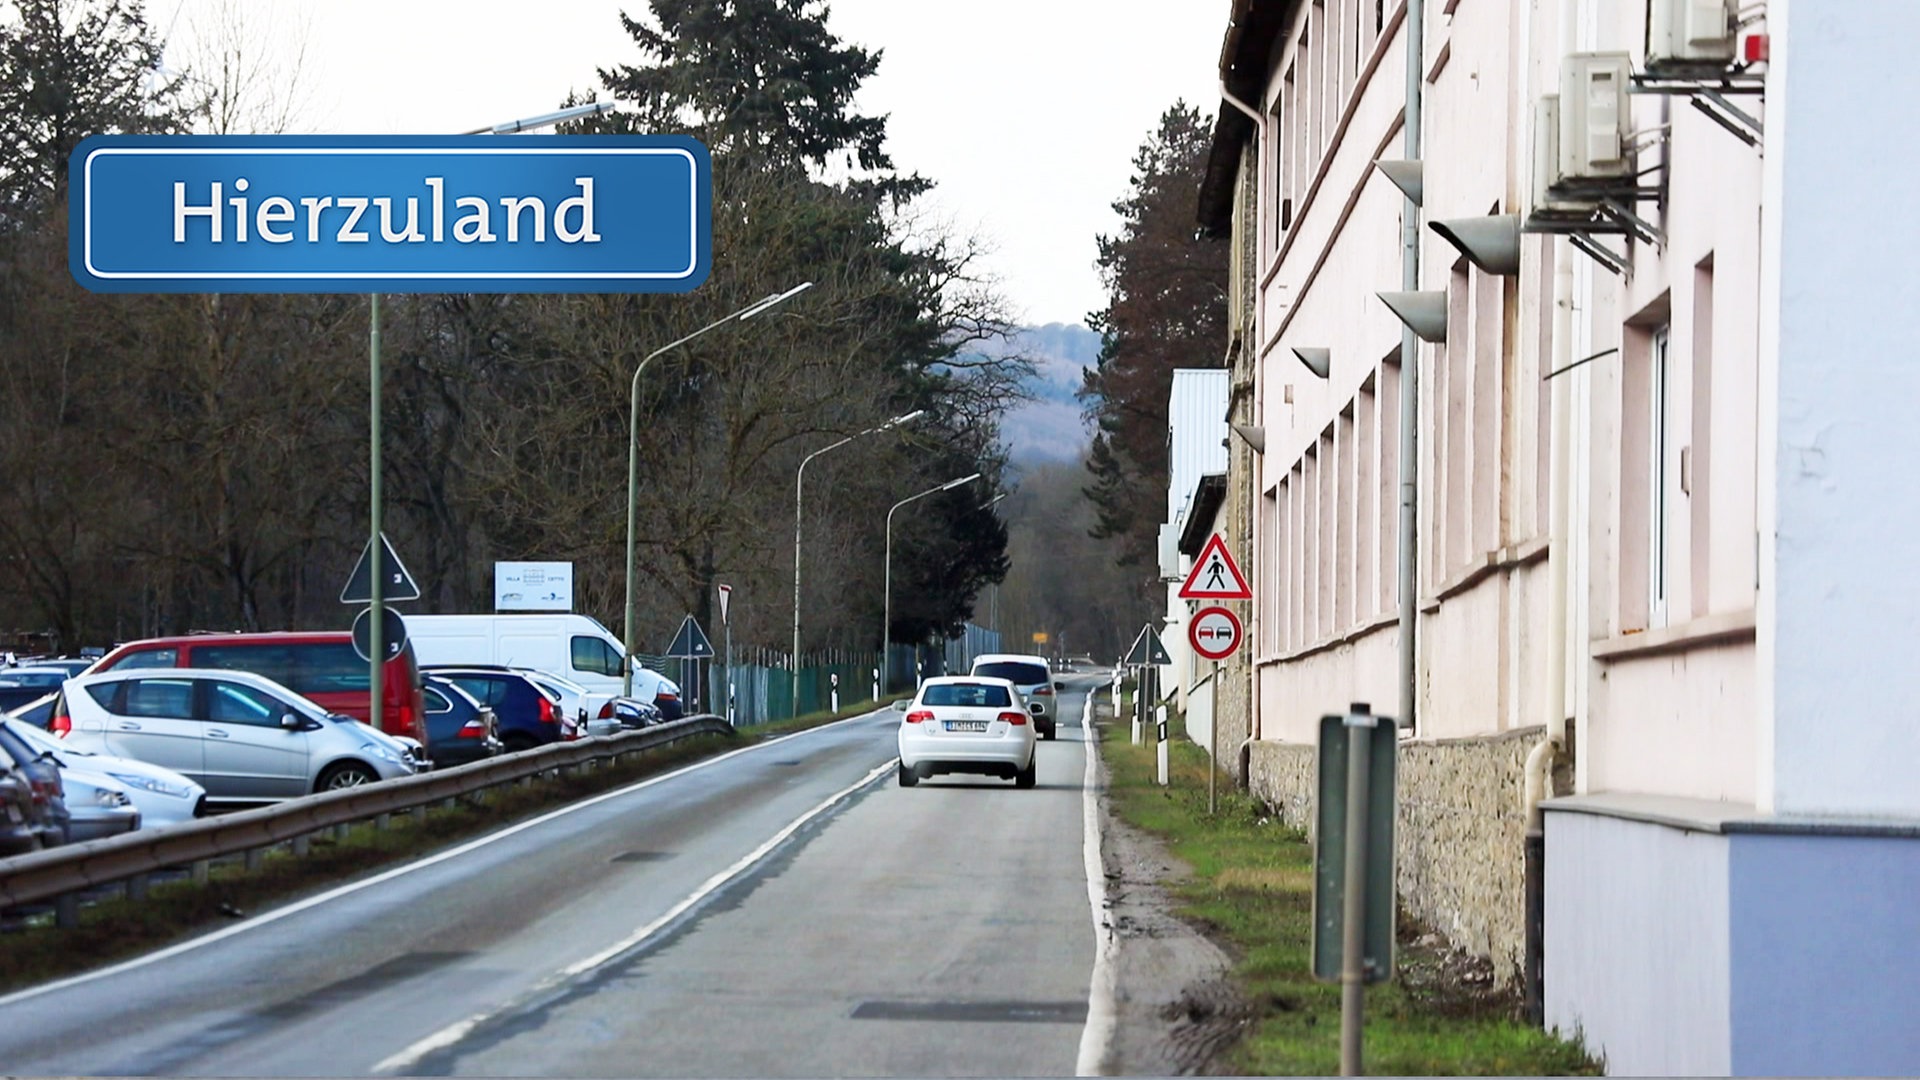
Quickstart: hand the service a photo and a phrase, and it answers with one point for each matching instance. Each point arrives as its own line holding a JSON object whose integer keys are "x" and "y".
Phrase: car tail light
{"x": 606, "y": 711}
{"x": 1013, "y": 717}
{"x": 473, "y": 729}
{"x": 61, "y": 722}
{"x": 409, "y": 721}
{"x": 919, "y": 716}
{"x": 547, "y": 715}
{"x": 1045, "y": 690}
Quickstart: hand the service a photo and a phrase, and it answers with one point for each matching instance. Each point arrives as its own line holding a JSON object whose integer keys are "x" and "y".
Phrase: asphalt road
{"x": 784, "y": 911}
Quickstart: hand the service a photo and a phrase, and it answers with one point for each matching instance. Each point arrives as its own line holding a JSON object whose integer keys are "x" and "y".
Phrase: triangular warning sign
{"x": 1147, "y": 650}
{"x": 1214, "y": 575}
{"x": 396, "y": 583}
{"x": 691, "y": 642}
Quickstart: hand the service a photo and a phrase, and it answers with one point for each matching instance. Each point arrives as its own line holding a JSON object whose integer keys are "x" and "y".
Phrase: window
{"x": 436, "y": 701}
{"x": 590, "y": 654}
{"x": 488, "y": 691}
{"x": 231, "y": 703}
{"x": 1660, "y": 489}
{"x": 148, "y": 658}
{"x": 973, "y": 695}
{"x": 1017, "y": 674}
{"x": 159, "y": 698}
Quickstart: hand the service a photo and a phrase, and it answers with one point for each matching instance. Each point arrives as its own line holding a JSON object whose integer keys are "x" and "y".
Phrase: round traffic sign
{"x": 1214, "y": 633}
{"x": 393, "y": 633}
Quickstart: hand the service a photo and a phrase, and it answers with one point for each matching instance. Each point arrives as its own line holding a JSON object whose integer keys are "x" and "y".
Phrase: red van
{"x": 319, "y": 665}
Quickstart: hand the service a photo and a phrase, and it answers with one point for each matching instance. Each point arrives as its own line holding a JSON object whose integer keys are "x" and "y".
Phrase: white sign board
{"x": 533, "y": 586}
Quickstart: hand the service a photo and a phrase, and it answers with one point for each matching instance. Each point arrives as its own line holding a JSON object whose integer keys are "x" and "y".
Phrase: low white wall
{"x": 1637, "y": 944}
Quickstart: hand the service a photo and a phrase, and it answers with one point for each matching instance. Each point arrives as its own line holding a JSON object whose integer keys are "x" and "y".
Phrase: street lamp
{"x": 798, "y": 478}
{"x": 886, "y": 619}
{"x": 376, "y": 574}
{"x": 633, "y": 451}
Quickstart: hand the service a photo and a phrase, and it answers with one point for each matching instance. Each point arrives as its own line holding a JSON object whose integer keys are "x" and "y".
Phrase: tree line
{"x": 180, "y": 462}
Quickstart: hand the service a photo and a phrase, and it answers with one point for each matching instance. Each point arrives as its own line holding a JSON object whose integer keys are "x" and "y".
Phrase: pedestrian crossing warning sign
{"x": 1214, "y": 576}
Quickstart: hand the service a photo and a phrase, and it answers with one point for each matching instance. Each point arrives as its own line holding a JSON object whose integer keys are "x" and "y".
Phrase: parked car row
{"x": 158, "y": 730}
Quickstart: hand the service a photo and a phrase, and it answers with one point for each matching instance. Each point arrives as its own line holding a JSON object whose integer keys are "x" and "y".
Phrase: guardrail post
{"x": 137, "y": 887}
{"x": 202, "y": 871}
{"x": 383, "y": 822}
{"x": 341, "y": 831}
{"x": 66, "y": 911}
{"x": 420, "y": 813}
{"x": 302, "y": 845}
{"x": 255, "y": 856}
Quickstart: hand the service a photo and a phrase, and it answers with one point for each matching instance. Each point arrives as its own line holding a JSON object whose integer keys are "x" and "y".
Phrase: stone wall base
{"x": 1458, "y": 838}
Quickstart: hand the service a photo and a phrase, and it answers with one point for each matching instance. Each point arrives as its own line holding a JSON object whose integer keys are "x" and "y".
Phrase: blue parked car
{"x": 525, "y": 716}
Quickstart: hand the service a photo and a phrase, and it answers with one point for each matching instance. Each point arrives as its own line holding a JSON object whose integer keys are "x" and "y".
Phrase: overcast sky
{"x": 1025, "y": 112}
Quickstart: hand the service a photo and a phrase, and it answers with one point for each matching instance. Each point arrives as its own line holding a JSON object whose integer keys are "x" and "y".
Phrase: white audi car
{"x": 967, "y": 724}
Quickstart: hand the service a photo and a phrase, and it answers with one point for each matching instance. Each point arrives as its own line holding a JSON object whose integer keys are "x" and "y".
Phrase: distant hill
{"x": 1048, "y": 427}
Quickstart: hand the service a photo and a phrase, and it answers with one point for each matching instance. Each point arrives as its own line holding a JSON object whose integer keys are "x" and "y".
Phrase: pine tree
{"x": 1166, "y": 309}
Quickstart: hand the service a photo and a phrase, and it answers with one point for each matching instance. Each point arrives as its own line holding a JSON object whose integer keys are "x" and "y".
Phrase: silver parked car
{"x": 162, "y": 796}
{"x": 243, "y": 737}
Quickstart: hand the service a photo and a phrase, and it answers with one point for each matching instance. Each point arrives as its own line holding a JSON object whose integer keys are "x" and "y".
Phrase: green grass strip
{"x": 1252, "y": 891}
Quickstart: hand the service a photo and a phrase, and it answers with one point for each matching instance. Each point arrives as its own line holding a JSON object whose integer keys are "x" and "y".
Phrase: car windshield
{"x": 976, "y": 695}
{"x": 1018, "y": 674}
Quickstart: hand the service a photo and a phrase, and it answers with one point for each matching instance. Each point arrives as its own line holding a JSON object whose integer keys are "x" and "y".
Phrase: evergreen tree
{"x": 1166, "y": 309}
{"x": 70, "y": 69}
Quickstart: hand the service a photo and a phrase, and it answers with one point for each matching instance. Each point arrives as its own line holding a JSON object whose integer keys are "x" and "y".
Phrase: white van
{"x": 574, "y": 646}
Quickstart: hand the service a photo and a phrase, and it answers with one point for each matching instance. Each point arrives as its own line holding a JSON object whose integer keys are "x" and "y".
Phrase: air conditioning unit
{"x": 1546, "y": 160}
{"x": 1689, "y": 34}
{"x": 1594, "y": 115}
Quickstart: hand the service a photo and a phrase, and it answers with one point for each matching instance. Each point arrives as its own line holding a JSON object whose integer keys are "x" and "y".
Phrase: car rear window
{"x": 1015, "y": 673}
{"x": 977, "y": 695}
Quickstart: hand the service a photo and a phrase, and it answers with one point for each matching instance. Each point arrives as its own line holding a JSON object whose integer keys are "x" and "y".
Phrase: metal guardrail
{"x": 63, "y": 871}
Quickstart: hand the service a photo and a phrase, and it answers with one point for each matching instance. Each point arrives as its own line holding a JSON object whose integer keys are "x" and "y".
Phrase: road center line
{"x": 453, "y": 1033}
{"x": 1100, "y": 995}
{"x": 400, "y": 871}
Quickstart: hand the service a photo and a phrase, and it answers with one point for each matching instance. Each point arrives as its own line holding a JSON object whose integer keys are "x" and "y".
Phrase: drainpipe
{"x": 1410, "y": 382}
{"x": 1255, "y": 460}
{"x": 1540, "y": 760}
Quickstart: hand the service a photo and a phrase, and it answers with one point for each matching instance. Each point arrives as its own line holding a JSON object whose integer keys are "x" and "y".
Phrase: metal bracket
{"x": 1708, "y": 91}
{"x": 1601, "y": 254}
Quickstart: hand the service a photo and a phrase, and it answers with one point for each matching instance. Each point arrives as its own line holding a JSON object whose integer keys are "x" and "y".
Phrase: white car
{"x": 580, "y": 707}
{"x": 964, "y": 724}
{"x": 1032, "y": 676}
{"x": 162, "y": 796}
{"x": 243, "y": 737}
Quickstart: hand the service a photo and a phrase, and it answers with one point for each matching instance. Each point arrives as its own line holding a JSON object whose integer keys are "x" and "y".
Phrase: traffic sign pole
{"x": 376, "y": 662}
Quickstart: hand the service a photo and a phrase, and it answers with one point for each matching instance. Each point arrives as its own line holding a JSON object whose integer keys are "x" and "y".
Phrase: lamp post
{"x": 798, "y": 479}
{"x": 886, "y": 619}
{"x": 376, "y": 602}
{"x": 633, "y": 455}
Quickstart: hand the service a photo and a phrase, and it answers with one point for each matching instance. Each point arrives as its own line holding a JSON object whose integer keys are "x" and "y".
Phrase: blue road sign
{"x": 395, "y": 214}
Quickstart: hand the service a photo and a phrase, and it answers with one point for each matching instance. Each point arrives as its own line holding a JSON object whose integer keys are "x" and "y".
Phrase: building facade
{"x": 1635, "y": 453}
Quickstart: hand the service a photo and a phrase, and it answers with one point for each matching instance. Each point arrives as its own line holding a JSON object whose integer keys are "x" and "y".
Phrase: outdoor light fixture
{"x": 886, "y": 618}
{"x": 1319, "y": 361}
{"x": 1491, "y": 243}
{"x": 1424, "y": 312}
{"x": 1408, "y": 176}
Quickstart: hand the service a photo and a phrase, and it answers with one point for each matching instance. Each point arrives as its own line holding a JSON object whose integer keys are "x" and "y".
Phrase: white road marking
{"x": 1100, "y": 1010}
{"x": 453, "y": 1033}
{"x": 333, "y": 894}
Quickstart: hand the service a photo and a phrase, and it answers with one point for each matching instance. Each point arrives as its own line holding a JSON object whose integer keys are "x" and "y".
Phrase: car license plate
{"x": 966, "y": 725}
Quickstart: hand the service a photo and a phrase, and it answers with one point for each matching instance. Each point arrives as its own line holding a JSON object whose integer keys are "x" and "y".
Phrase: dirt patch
{"x": 1450, "y": 982}
{"x": 1176, "y": 1010}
